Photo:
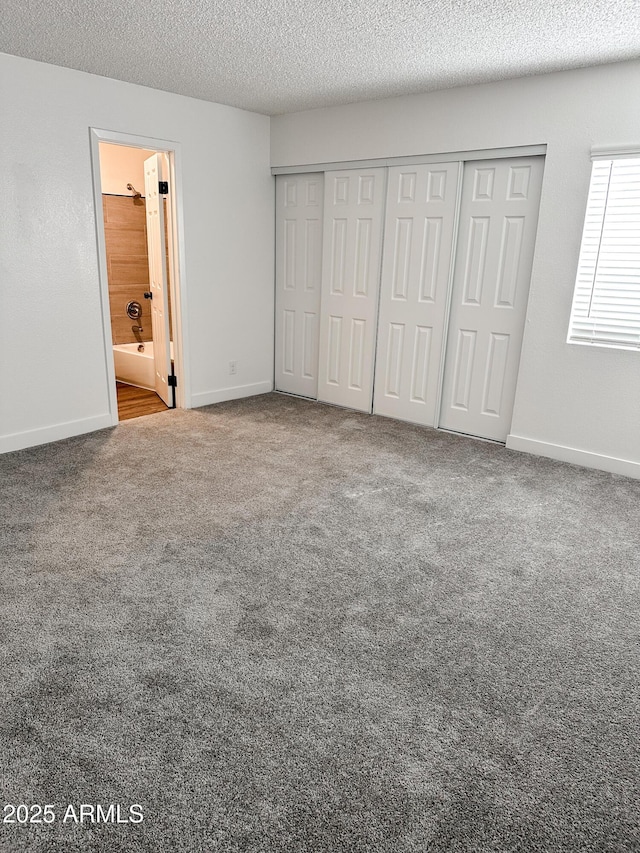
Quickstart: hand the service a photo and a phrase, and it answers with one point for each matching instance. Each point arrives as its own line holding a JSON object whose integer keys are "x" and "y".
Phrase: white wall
{"x": 53, "y": 381}
{"x": 120, "y": 166}
{"x": 573, "y": 402}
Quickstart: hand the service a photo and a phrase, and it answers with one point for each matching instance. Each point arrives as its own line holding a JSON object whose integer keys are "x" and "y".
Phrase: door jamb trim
{"x": 178, "y": 293}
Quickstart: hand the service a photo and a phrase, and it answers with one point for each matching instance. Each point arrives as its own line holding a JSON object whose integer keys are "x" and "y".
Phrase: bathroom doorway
{"x": 136, "y": 214}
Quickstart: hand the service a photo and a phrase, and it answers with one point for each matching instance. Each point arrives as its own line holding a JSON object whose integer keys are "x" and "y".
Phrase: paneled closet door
{"x": 498, "y": 220}
{"x": 299, "y": 201}
{"x": 352, "y": 238}
{"x": 416, "y": 269}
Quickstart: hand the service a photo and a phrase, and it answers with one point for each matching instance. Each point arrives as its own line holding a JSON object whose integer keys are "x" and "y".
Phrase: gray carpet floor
{"x": 280, "y": 626}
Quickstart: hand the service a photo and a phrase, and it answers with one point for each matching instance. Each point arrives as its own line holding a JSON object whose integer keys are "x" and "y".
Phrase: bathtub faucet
{"x": 137, "y": 329}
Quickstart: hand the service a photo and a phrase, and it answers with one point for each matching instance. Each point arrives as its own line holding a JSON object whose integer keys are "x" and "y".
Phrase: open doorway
{"x": 138, "y": 248}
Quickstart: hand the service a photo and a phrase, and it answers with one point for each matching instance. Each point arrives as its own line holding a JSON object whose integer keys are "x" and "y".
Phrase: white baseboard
{"x": 578, "y": 457}
{"x": 57, "y": 432}
{"x": 207, "y": 398}
{"x": 44, "y": 435}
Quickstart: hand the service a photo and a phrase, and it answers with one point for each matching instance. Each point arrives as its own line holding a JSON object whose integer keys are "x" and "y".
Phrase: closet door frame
{"x": 461, "y": 157}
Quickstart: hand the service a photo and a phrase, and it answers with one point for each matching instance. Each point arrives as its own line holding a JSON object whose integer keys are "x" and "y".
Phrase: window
{"x": 606, "y": 300}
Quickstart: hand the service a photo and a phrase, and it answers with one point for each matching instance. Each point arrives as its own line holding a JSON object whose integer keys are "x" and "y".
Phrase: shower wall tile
{"x": 127, "y": 265}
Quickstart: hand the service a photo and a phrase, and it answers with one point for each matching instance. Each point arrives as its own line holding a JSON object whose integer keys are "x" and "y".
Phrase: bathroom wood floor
{"x": 135, "y": 402}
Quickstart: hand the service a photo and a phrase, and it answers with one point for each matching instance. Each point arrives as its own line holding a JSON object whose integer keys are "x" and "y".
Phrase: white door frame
{"x": 178, "y": 292}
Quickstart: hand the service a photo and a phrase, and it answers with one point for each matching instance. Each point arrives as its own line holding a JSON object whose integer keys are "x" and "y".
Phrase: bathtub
{"x": 133, "y": 367}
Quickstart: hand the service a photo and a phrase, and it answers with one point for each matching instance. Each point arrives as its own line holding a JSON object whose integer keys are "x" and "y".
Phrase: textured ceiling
{"x": 276, "y": 56}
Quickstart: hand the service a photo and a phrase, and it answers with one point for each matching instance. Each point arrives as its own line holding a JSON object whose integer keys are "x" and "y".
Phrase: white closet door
{"x": 298, "y": 275}
{"x": 416, "y": 267}
{"x": 498, "y": 219}
{"x": 352, "y": 242}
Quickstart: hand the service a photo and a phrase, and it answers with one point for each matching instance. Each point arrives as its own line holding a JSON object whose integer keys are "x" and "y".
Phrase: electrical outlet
{"x": 233, "y": 368}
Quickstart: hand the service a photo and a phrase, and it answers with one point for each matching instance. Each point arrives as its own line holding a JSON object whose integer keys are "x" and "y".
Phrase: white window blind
{"x": 606, "y": 300}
